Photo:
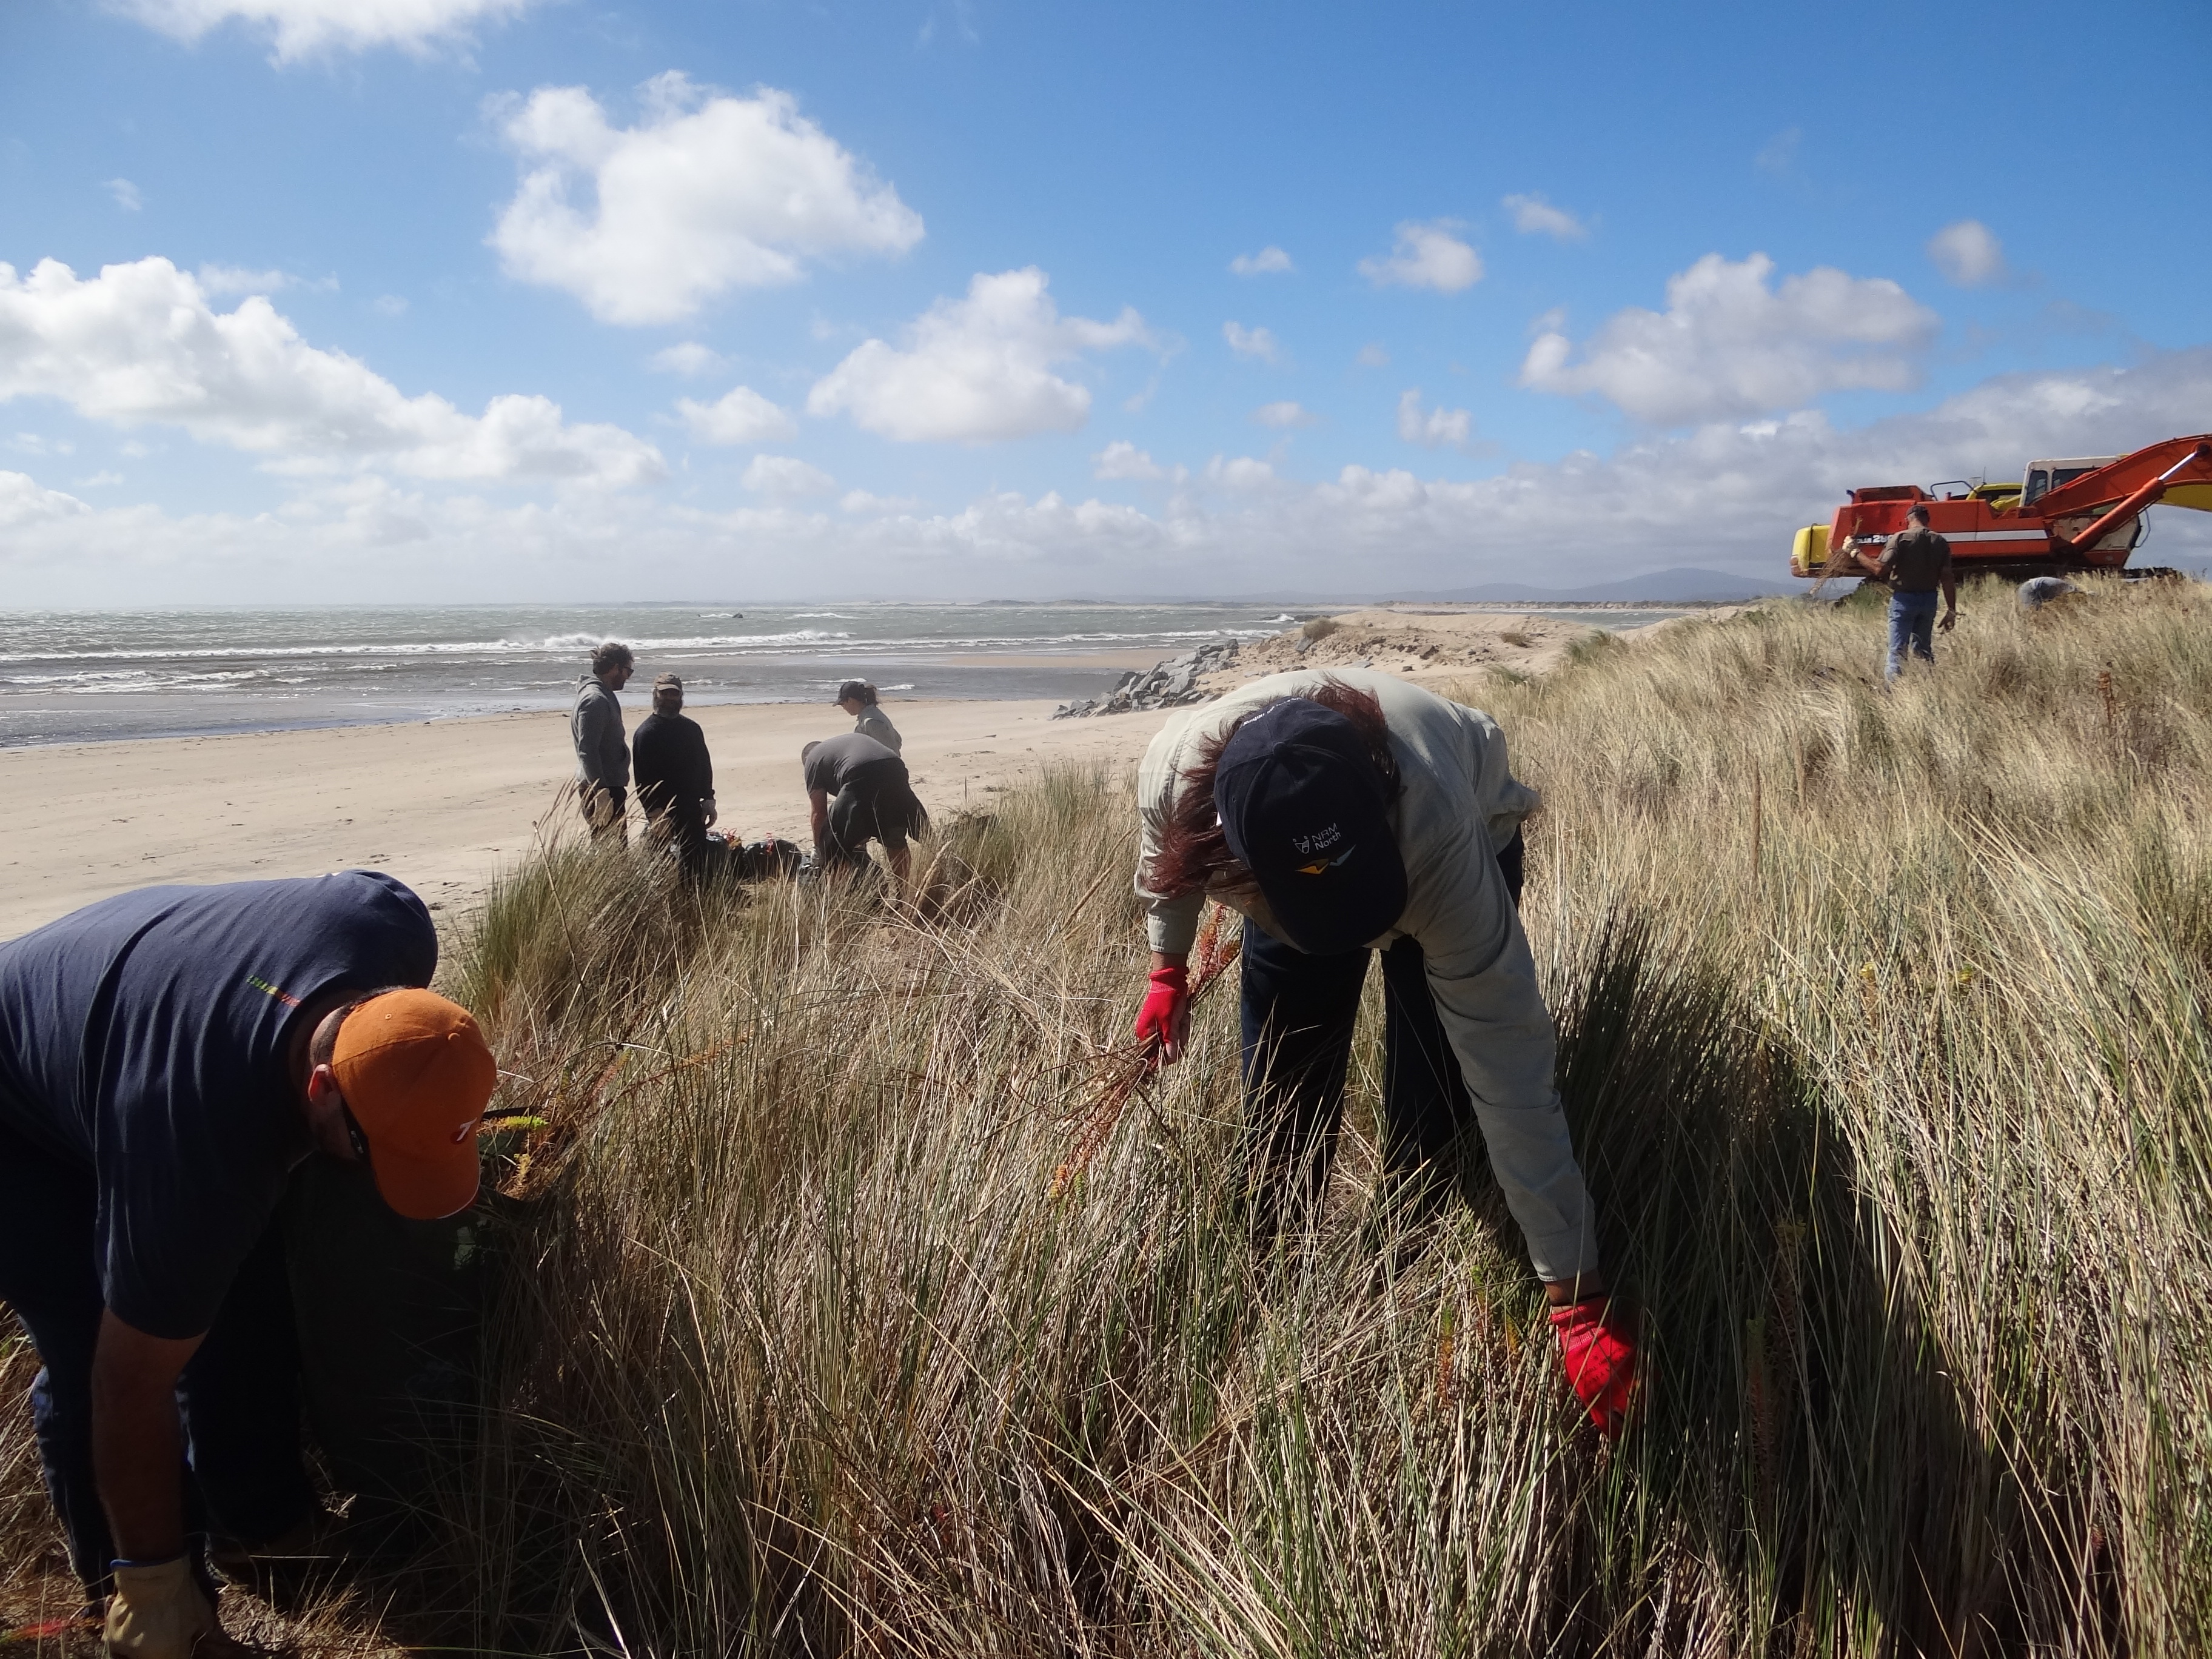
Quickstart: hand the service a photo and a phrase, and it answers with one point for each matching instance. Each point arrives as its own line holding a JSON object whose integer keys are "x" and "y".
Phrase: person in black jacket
{"x": 675, "y": 777}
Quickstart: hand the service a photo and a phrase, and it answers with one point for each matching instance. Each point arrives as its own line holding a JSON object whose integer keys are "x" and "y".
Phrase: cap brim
{"x": 428, "y": 1190}
{"x": 1321, "y": 923}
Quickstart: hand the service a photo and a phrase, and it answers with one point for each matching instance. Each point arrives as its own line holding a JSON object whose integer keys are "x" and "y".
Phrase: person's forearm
{"x": 137, "y": 1451}
{"x": 1169, "y": 959}
{"x": 1566, "y": 1293}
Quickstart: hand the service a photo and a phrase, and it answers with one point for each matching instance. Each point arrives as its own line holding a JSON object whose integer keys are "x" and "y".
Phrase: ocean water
{"x": 73, "y": 676}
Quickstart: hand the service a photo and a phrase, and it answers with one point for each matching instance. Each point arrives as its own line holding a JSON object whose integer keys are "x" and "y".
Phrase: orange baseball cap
{"x": 416, "y": 1075}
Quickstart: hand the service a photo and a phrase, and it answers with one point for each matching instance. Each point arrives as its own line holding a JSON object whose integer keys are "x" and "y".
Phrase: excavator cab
{"x": 2044, "y": 477}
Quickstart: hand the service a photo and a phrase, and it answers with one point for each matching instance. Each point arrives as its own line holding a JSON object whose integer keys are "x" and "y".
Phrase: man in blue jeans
{"x": 1916, "y": 563}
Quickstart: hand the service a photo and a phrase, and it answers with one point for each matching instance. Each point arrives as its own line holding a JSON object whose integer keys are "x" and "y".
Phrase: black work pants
{"x": 681, "y": 829}
{"x": 1297, "y": 1013}
{"x": 240, "y": 1396}
{"x": 876, "y": 802}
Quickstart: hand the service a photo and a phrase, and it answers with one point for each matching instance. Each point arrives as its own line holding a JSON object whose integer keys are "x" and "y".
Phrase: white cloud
{"x": 125, "y": 194}
{"x": 1241, "y": 472}
{"x": 139, "y": 344}
{"x": 1270, "y": 258}
{"x": 786, "y": 478}
{"x": 1968, "y": 254}
{"x": 706, "y": 194}
{"x": 301, "y": 28}
{"x": 691, "y": 359}
{"x": 1123, "y": 459}
{"x": 976, "y": 368}
{"x": 388, "y": 305}
{"x": 1284, "y": 414}
{"x": 1373, "y": 355}
{"x": 1724, "y": 497}
{"x": 1255, "y": 342}
{"x": 867, "y": 502}
{"x": 740, "y": 416}
{"x": 24, "y": 503}
{"x": 1730, "y": 345}
{"x": 1433, "y": 429}
{"x": 1534, "y": 217}
{"x": 236, "y": 279}
{"x": 1426, "y": 255}
{"x": 102, "y": 480}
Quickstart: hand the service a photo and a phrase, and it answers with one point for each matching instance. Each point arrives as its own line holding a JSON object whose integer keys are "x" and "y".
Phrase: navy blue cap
{"x": 1305, "y": 810}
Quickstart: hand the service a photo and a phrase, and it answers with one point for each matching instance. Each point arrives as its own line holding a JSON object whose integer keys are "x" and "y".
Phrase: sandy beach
{"x": 446, "y": 805}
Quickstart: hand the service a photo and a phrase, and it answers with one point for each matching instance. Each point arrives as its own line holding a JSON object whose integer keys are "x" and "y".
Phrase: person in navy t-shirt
{"x": 166, "y": 1058}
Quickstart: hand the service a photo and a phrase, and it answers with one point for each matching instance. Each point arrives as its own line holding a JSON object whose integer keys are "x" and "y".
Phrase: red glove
{"x": 1166, "y": 1014}
{"x": 1600, "y": 1359}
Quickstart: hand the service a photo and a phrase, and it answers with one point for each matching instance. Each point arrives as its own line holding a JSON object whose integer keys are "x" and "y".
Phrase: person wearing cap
{"x": 1347, "y": 814}
{"x": 858, "y": 699}
{"x": 167, "y": 1057}
{"x": 675, "y": 777}
{"x": 595, "y": 726}
{"x": 858, "y": 791}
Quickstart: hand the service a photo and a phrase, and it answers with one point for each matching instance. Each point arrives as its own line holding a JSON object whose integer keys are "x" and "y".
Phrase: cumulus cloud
{"x": 1270, "y": 258}
{"x": 689, "y": 359}
{"x": 125, "y": 194}
{"x": 1968, "y": 254}
{"x": 1240, "y": 472}
{"x": 303, "y": 28}
{"x": 1730, "y": 343}
{"x": 786, "y": 478}
{"x": 1285, "y": 415}
{"x": 867, "y": 503}
{"x": 976, "y": 368}
{"x": 1255, "y": 342}
{"x": 139, "y": 344}
{"x": 1426, "y": 255}
{"x": 707, "y": 194}
{"x": 1432, "y": 428}
{"x": 1724, "y": 497}
{"x": 740, "y": 416}
{"x": 1534, "y": 217}
{"x": 23, "y": 502}
{"x": 1122, "y": 459}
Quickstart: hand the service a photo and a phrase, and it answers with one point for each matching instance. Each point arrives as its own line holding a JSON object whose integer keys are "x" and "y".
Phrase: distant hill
{"x": 1681, "y": 586}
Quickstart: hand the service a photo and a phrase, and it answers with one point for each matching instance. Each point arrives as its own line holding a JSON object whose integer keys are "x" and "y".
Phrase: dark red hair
{"x": 1194, "y": 851}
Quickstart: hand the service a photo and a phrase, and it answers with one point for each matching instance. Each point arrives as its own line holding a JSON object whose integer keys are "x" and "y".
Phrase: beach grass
{"x": 852, "y": 1299}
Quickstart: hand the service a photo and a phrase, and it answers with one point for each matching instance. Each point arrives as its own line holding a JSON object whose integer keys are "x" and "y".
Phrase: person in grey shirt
{"x": 858, "y": 699}
{"x": 601, "y": 757}
{"x": 1350, "y": 813}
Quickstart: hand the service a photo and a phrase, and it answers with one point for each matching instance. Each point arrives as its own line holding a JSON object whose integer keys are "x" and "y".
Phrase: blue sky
{"x": 506, "y": 299}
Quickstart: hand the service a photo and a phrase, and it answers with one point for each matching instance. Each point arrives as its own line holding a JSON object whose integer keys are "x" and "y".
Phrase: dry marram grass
{"x": 1882, "y": 1035}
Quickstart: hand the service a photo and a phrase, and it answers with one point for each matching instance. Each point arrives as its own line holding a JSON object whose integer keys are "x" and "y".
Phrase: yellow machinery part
{"x": 2196, "y": 495}
{"x": 1809, "y": 554}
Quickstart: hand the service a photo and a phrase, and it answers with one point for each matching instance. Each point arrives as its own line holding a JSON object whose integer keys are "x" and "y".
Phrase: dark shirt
{"x": 1917, "y": 561}
{"x": 144, "y": 1038}
{"x": 835, "y": 759}
{"x": 668, "y": 757}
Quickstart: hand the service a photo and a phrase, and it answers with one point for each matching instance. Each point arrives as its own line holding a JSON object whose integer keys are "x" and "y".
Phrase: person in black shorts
{"x": 858, "y": 792}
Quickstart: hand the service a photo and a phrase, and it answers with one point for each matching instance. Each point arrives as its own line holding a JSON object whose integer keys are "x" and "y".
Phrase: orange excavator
{"x": 2083, "y": 514}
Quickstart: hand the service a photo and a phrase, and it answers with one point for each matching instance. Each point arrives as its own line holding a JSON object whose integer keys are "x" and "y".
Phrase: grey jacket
{"x": 873, "y": 722}
{"x": 1460, "y": 805}
{"x": 596, "y": 725}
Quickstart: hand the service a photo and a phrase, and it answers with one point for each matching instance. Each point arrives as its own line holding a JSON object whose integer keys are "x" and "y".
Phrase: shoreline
{"x": 446, "y": 804}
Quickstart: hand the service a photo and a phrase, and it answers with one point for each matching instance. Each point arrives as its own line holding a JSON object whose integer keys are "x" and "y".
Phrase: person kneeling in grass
{"x": 1352, "y": 813}
{"x": 858, "y": 791}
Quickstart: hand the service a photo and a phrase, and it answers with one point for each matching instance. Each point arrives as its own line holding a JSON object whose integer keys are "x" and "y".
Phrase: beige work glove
{"x": 157, "y": 1612}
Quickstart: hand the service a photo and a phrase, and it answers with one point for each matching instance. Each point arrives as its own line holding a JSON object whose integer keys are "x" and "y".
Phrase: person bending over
{"x": 675, "y": 777}
{"x": 858, "y": 791}
{"x": 858, "y": 699}
{"x": 166, "y": 1058}
{"x": 1350, "y": 814}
